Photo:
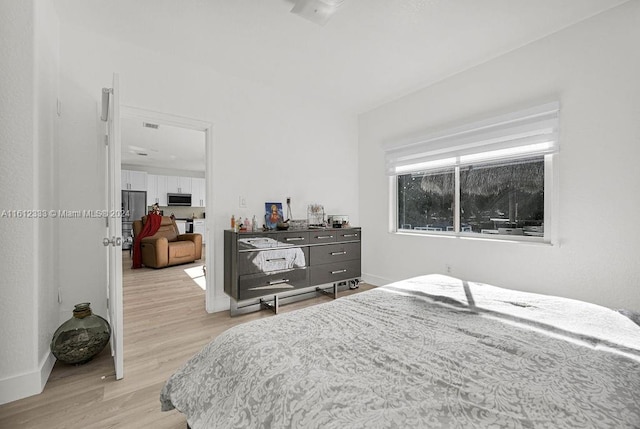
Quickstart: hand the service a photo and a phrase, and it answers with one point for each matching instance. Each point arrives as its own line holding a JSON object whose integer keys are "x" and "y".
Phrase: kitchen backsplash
{"x": 182, "y": 212}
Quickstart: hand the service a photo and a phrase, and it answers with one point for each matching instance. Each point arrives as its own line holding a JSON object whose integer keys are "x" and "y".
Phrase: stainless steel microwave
{"x": 179, "y": 200}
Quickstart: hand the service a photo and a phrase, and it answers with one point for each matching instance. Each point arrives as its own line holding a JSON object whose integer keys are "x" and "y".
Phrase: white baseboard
{"x": 221, "y": 303}
{"x": 375, "y": 280}
{"x": 27, "y": 384}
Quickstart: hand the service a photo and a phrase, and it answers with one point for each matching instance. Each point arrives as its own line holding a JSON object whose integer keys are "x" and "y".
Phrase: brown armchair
{"x": 167, "y": 247}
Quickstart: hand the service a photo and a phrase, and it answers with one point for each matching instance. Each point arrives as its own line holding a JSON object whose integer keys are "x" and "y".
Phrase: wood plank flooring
{"x": 165, "y": 323}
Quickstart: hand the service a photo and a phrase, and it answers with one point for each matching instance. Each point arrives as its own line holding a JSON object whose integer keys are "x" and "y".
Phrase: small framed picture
{"x": 273, "y": 214}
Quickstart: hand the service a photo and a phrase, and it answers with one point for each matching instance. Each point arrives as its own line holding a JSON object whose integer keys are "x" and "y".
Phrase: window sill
{"x": 517, "y": 239}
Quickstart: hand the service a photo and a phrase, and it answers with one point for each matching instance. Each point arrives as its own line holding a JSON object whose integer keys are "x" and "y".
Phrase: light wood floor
{"x": 165, "y": 323}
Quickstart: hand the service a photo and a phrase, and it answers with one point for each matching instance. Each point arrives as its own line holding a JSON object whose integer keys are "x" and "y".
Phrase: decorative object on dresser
{"x": 265, "y": 269}
{"x": 338, "y": 221}
{"x": 273, "y": 215}
{"x": 315, "y": 215}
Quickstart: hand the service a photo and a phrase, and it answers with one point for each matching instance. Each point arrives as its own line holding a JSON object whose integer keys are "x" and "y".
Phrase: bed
{"x": 428, "y": 352}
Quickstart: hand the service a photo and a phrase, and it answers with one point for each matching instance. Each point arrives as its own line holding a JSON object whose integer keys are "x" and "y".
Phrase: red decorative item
{"x": 150, "y": 227}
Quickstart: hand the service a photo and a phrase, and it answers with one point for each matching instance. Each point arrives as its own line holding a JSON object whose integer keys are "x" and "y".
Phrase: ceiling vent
{"x": 150, "y": 125}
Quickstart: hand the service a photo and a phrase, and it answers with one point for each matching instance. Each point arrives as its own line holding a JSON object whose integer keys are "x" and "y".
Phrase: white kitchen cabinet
{"x": 156, "y": 189}
{"x": 197, "y": 192}
{"x": 172, "y": 184}
{"x": 162, "y": 190}
{"x": 133, "y": 180}
{"x": 199, "y": 228}
{"x": 152, "y": 190}
{"x": 178, "y": 185}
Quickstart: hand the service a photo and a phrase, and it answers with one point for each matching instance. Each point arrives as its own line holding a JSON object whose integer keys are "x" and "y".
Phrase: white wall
{"x": 593, "y": 69}
{"x": 28, "y": 66}
{"x": 267, "y": 146}
{"x": 45, "y": 161}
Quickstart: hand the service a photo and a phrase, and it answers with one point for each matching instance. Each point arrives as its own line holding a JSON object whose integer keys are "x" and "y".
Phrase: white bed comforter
{"x": 428, "y": 352}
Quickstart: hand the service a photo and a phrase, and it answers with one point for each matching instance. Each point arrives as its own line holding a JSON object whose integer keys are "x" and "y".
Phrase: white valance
{"x": 524, "y": 133}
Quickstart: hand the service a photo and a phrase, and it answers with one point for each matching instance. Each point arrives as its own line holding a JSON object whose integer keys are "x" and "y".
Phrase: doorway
{"x": 148, "y": 118}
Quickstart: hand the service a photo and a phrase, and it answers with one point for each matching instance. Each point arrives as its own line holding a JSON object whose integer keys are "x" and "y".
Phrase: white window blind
{"x": 524, "y": 133}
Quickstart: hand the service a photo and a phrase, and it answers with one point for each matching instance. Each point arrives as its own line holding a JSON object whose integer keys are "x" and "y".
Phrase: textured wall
{"x": 592, "y": 68}
{"x": 45, "y": 159}
{"x": 28, "y": 298}
{"x": 18, "y": 303}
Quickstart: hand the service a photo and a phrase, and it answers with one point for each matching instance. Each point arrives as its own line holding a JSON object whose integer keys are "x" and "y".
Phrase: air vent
{"x": 150, "y": 125}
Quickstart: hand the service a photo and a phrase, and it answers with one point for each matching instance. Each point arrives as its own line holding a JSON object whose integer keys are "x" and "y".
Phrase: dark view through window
{"x": 504, "y": 198}
{"x": 426, "y": 201}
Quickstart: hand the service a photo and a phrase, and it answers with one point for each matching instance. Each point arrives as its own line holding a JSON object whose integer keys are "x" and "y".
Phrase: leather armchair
{"x": 167, "y": 247}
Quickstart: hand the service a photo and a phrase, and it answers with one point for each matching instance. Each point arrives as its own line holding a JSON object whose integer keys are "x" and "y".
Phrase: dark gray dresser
{"x": 286, "y": 265}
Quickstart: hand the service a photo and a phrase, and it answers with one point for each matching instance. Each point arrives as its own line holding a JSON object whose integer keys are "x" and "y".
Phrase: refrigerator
{"x": 134, "y": 206}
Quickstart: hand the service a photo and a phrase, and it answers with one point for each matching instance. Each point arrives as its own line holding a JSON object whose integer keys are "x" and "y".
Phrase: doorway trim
{"x": 198, "y": 125}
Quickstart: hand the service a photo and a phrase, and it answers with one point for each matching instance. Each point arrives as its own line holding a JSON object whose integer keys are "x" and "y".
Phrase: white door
{"x": 113, "y": 240}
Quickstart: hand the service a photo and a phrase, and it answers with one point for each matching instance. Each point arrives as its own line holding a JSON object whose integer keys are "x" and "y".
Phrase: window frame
{"x": 550, "y": 209}
{"x": 515, "y": 135}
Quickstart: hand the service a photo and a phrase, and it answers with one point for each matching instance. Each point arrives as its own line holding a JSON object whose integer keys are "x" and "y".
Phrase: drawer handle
{"x": 338, "y": 272}
{"x": 338, "y": 253}
{"x": 276, "y": 259}
{"x": 278, "y": 282}
{"x": 350, "y": 235}
{"x": 320, "y": 237}
{"x": 294, "y": 239}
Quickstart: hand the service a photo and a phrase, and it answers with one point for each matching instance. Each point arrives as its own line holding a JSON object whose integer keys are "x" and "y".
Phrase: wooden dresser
{"x": 267, "y": 268}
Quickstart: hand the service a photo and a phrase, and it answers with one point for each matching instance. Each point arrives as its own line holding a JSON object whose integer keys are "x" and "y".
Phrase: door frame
{"x": 198, "y": 125}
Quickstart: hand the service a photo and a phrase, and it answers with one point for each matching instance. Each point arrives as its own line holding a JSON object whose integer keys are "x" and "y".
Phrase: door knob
{"x": 115, "y": 241}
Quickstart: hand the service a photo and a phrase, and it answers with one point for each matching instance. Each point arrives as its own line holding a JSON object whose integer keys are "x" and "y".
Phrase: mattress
{"x": 428, "y": 352}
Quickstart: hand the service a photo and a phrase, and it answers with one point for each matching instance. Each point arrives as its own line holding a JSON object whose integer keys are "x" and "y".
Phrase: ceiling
{"x": 370, "y": 52}
{"x": 166, "y": 147}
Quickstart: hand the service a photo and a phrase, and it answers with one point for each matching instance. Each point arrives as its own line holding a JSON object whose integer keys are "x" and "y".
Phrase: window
{"x": 426, "y": 201}
{"x": 487, "y": 179}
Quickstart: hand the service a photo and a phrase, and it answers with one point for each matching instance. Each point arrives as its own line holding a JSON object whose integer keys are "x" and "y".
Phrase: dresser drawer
{"x": 331, "y": 273}
{"x": 293, "y": 238}
{"x": 255, "y": 285}
{"x": 349, "y": 234}
{"x": 334, "y": 253}
{"x": 265, "y": 261}
{"x": 323, "y": 236}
